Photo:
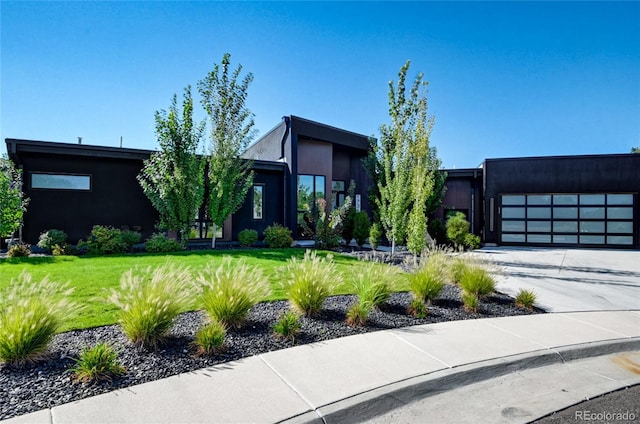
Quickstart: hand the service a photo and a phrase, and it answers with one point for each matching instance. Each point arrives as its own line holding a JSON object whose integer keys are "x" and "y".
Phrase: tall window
{"x": 258, "y": 197}
{"x": 310, "y": 189}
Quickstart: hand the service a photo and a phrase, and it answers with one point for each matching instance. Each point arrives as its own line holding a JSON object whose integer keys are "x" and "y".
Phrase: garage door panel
{"x": 593, "y": 219}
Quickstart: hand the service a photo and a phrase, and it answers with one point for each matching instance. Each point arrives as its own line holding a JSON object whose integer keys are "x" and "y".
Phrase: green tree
{"x": 230, "y": 177}
{"x": 422, "y": 180}
{"x": 635, "y": 150}
{"x": 172, "y": 178}
{"x": 403, "y": 164}
{"x": 13, "y": 203}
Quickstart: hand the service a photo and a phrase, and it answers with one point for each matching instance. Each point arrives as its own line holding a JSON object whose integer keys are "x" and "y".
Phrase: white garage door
{"x": 570, "y": 219}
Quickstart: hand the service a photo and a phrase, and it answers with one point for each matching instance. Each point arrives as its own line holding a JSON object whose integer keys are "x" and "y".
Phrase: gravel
{"x": 49, "y": 383}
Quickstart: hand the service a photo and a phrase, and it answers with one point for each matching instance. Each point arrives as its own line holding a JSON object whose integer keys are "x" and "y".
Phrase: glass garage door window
{"x": 587, "y": 219}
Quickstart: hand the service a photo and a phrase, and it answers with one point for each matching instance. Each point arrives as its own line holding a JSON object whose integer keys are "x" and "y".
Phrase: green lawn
{"x": 90, "y": 276}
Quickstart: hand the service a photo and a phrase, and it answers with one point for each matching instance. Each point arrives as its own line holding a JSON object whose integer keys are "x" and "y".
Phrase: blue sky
{"x": 506, "y": 79}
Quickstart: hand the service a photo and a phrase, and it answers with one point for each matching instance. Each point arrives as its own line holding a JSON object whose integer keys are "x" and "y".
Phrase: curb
{"x": 368, "y": 405}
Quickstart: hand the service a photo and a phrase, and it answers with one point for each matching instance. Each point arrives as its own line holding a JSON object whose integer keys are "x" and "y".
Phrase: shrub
{"x": 428, "y": 279}
{"x": 149, "y": 301}
{"x": 525, "y": 299}
{"x": 247, "y": 238}
{"x": 19, "y": 250}
{"x": 230, "y": 289}
{"x": 50, "y": 238}
{"x": 437, "y": 231}
{"x": 104, "y": 240}
{"x": 457, "y": 228}
{"x": 471, "y": 241}
{"x": 288, "y": 326}
{"x": 374, "y": 235}
{"x": 210, "y": 338}
{"x": 329, "y": 224}
{"x": 130, "y": 238}
{"x": 159, "y": 243}
{"x": 309, "y": 281}
{"x": 30, "y": 314}
{"x": 97, "y": 363}
{"x": 361, "y": 227}
{"x": 64, "y": 250}
{"x": 277, "y": 236}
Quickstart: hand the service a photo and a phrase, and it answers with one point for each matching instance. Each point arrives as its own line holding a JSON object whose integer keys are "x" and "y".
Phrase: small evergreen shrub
{"x": 149, "y": 301}
{"x": 210, "y": 338}
{"x": 19, "y": 250}
{"x": 130, "y": 238}
{"x": 308, "y": 282}
{"x": 288, "y": 326}
{"x": 525, "y": 299}
{"x": 471, "y": 241}
{"x": 98, "y": 363}
{"x": 104, "y": 240}
{"x": 30, "y": 314}
{"x": 457, "y": 228}
{"x": 50, "y": 238}
{"x": 361, "y": 227}
{"x": 277, "y": 236}
{"x": 437, "y": 231}
{"x": 230, "y": 289}
{"x": 348, "y": 225}
{"x": 374, "y": 235}
{"x": 159, "y": 243}
{"x": 247, "y": 238}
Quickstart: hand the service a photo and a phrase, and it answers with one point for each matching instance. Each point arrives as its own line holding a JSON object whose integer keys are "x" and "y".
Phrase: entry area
{"x": 568, "y": 219}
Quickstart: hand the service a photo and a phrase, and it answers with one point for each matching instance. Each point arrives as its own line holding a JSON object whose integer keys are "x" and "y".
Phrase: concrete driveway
{"x": 569, "y": 279}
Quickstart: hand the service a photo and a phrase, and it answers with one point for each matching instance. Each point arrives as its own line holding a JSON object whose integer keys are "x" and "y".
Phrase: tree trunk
{"x": 213, "y": 239}
{"x": 393, "y": 246}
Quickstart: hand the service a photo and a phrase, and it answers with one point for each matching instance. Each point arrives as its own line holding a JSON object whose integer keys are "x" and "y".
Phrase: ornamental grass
{"x": 230, "y": 289}
{"x": 149, "y": 301}
{"x": 30, "y": 314}
{"x": 309, "y": 281}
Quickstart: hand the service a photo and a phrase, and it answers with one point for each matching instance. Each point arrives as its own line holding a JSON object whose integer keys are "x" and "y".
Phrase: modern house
{"x": 571, "y": 201}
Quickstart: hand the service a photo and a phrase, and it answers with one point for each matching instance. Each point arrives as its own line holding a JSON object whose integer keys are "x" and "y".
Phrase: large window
{"x": 581, "y": 219}
{"x": 310, "y": 189}
{"x": 60, "y": 181}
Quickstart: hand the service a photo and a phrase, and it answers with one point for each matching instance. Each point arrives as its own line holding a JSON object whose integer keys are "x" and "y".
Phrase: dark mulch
{"x": 49, "y": 383}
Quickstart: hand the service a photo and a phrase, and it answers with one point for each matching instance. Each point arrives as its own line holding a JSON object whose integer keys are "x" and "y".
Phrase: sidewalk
{"x": 362, "y": 376}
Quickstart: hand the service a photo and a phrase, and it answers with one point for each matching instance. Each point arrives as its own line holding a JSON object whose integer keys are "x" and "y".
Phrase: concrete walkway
{"x": 570, "y": 279}
{"x": 360, "y": 377}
